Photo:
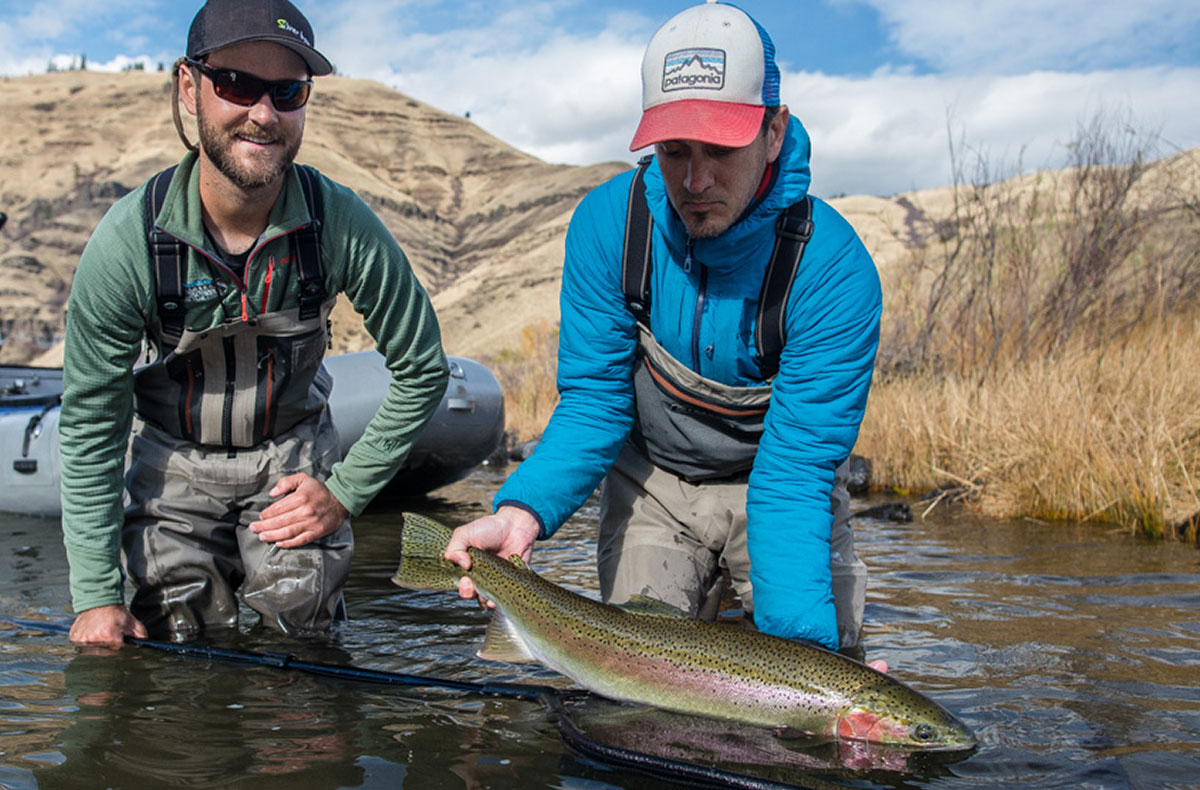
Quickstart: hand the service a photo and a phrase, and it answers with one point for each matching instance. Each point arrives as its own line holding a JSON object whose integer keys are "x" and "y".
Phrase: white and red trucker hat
{"x": 706, "y": 76}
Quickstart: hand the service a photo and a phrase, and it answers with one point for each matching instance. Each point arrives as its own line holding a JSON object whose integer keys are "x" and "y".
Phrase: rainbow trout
{"x": 650, "y": 653}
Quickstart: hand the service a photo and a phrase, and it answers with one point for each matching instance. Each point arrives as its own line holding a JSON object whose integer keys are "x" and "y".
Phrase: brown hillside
{"x": 482, "y": 222}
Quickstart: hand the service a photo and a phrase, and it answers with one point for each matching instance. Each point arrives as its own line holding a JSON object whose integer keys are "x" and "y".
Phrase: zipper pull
{"x": 687, "y": 258}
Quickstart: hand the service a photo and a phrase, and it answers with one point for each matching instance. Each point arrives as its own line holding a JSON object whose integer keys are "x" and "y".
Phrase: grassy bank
{"x": 527, "y": 376}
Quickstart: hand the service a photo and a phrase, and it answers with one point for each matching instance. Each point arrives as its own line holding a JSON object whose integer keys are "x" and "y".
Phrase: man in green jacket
{"x": 199, "y": 319}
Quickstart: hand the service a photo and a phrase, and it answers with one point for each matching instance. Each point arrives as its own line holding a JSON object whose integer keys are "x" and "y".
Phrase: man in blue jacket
{"x": 716, "y": 453}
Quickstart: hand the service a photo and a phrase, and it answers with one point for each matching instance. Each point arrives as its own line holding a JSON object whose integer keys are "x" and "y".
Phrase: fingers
{"x": 105, "y": 626}
{"x": 878, "y": 665}
{"x": 456, "y": 550}
{"x": 307, "y": 512}
{"x": 286, "y": 485}
{"x": 466, "y": 588}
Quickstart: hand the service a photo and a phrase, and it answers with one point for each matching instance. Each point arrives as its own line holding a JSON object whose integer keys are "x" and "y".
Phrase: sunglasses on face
{"x": 246, "y": 89}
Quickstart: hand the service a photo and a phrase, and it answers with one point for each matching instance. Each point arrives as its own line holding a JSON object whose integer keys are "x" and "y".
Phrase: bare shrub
{"x": 1023, "y": 264}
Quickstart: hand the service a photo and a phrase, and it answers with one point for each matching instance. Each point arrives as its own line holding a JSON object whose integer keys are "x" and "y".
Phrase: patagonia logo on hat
{"x": 694, "y": 68}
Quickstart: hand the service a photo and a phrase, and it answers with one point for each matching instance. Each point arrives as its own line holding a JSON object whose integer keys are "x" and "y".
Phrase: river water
{"x": 1073, "y": 651}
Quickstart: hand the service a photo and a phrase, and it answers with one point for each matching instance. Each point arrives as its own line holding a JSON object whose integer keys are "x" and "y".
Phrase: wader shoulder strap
{"x": 793, "y": 230}
{"x": 168, "y": 254}
{"x": 308, "y": 247}
{"x": 635, "y": 258}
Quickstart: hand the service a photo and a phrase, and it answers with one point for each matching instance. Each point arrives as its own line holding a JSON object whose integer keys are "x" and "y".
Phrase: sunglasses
{"x": 245, "y": 89}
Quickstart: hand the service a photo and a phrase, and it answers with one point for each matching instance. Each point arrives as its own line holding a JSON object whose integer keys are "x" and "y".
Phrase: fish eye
{"x": 923, "y": 732}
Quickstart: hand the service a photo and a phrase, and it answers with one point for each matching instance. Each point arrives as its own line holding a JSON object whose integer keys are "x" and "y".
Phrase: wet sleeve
{"x": 597, "y": 340}
{"x": 376, "y": 276}
{"x": 818, "y": 401}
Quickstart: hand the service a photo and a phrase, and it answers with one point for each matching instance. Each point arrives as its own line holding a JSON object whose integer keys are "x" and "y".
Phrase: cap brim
{"x": 713, "y": 122}
{"x": 317, "y": 63}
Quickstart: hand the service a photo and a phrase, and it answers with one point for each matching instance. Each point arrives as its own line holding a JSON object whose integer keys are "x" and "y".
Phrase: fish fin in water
{"x": 427, "y": 574}
{"x": 644, "y": 604}
{"x": 423, "y": 538}
{"x": 502, "y": 642}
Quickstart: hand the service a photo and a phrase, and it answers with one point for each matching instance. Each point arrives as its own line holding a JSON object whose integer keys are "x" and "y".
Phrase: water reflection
{"x": 1074, "y": 653}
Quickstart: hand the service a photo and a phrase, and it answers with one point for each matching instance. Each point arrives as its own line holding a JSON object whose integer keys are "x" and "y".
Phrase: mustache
{"x": 257, "y": 133}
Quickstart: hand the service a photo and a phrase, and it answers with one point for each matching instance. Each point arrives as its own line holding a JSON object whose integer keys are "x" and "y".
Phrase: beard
{"x": 251, "y": 172}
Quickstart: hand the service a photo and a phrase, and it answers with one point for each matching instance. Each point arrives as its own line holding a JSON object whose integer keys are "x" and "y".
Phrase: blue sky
{"x": 881, "y": 85}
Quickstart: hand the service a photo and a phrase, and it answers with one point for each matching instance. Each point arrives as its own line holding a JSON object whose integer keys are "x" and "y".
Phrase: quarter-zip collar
{"x": 182, "y": 216}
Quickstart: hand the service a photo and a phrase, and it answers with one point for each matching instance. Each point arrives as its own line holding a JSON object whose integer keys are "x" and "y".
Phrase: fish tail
{"x": 423, "y": 538}
{"x": 422, "y": 565}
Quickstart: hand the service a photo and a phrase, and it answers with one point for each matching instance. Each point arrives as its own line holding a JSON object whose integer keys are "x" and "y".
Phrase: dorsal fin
{"x": 644, "y": 604}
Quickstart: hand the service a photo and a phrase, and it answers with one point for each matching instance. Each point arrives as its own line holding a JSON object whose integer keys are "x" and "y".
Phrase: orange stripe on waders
{"x": 692, "y": 400}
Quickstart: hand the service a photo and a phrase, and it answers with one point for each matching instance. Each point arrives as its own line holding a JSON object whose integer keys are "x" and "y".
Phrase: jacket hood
{"x": 791, "y": 184}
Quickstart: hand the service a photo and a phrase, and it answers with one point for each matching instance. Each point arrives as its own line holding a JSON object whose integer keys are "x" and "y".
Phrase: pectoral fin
{"x": 503, "y": 642}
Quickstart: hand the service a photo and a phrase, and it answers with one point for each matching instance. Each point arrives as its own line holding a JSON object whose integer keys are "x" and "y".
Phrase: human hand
{"x": 106, "y": 625}
{"x": 509, "y": 531}
{"x": 306, "y": 512}
{"x": 879, "y": 665}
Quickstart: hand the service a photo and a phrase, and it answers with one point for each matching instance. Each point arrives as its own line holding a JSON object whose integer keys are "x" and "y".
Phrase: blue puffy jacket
{"x": 703, "y": 313}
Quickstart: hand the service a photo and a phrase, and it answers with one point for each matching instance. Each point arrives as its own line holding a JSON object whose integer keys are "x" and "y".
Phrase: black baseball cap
{"x": 220, "y": 23}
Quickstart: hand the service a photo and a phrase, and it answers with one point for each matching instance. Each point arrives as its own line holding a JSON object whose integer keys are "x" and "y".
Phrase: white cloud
{"x": 890, "y": 132}
{"x": 560, "y": 96}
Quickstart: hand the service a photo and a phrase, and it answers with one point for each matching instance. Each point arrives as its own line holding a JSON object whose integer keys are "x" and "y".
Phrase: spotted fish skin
{"x": 685, "y": 664}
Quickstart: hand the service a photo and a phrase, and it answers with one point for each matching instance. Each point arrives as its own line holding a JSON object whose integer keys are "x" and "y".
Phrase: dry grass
{"x": 1109, "y": 434}
{"x": 527, "y": 376}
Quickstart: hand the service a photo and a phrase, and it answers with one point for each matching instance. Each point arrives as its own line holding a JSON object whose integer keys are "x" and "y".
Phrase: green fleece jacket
{"x": 113, "y": 305}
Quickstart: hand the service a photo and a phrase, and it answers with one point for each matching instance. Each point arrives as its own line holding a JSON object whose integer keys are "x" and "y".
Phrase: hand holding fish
{"x": 509, "y": 531}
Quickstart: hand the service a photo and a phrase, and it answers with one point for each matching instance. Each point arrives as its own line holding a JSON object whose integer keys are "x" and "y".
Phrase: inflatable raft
{"x": 467, "y": 427}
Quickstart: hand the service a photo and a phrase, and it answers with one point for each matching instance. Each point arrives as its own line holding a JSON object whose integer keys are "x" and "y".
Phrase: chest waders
{"x": 225, "y": 413}
{"x": 249, "y": 379}
{"x": 705, "y": 434}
